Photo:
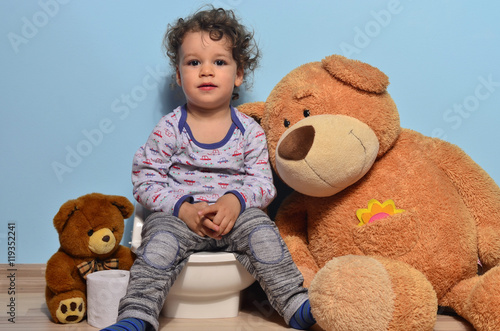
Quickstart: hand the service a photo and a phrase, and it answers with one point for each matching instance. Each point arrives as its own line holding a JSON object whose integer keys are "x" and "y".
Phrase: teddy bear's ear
{"x": 356, "y": 73}
{"x": 253, "y": 109}
{"x": 123, "y": 204}
{"x": 64, "y": 214}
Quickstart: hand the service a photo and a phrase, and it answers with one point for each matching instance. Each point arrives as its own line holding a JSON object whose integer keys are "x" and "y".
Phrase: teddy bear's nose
{"x": 297, "y": 144}
{"x": 105, "y": 238}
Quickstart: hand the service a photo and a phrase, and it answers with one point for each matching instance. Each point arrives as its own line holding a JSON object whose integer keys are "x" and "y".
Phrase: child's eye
{"x": 220, "y": 62}
{"x": 193, "y": 62}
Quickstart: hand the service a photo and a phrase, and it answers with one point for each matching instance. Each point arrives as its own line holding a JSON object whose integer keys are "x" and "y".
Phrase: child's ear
{"x": 240, "y": 75}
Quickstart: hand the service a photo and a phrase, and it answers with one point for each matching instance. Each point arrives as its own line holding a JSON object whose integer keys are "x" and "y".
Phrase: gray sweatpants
{"x": 167, "y": 242}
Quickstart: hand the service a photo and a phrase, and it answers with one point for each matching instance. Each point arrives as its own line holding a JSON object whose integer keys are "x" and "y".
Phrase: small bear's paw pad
{"x": 71, "y": 310}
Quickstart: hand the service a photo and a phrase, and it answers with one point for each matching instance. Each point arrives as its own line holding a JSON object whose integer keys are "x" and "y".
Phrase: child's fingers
{"x": 226, "y": 230}
{"x": 227, "y": 227}
{"x": 211, "y": 209}
{"x": 210, "y": 225}
{"x": 210, "y": 214}
{"x": 211, "y": 234}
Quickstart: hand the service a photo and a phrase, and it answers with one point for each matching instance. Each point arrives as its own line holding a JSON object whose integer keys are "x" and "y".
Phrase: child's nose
{"x": 206, "y": 70}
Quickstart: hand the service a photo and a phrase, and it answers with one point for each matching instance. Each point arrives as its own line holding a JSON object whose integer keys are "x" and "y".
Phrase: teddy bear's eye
{"x": 307, "y": 112}
{"x": 286, "y": 123}
{"x": 91, "y": 232}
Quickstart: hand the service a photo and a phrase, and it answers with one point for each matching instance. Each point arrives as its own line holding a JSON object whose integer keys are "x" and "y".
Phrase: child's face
{"x": 207, "y": 72}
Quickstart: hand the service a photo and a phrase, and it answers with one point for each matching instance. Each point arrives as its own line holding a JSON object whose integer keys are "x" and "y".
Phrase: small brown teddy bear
{"x": 90, "y": 229}
{"x": 385, "y": 223}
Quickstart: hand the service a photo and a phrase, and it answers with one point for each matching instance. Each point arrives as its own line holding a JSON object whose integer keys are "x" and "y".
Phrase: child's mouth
{"x": 207, "y": 86}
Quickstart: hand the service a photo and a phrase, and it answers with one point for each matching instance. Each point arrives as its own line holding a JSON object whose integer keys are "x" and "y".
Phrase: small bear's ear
{"x": 122, "y": 203}
{"x": 64, "y": 214}
{"x": 253, "y": 109}
{"x": 356, "y": 73}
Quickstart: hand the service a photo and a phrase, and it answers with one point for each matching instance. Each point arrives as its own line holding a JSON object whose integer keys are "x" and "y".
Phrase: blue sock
{"x": 303, "y": 319}
{"x": 128, "y": 324}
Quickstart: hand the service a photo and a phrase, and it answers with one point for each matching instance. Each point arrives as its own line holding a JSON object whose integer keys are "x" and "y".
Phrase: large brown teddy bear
{"x": 385, "y": 223}
{"x": 90, "y": 229}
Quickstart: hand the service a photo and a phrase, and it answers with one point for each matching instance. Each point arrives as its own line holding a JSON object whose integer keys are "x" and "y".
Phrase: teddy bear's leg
{"x": 372, "y": 293}
{"x": 478, "y": 300}
{"x": 67, "y": 307}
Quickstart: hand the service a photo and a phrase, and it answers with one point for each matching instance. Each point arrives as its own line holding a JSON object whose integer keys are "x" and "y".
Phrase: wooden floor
{"x": 31, "y": 312}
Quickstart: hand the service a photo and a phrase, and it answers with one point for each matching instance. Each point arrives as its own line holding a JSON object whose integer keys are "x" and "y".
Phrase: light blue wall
{"x": 82, "y": 83}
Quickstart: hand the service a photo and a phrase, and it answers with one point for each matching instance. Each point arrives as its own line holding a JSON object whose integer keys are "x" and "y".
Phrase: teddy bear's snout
{"x": 102, "y": 241}
{"x": 321, "y": 155}
{"x": 297, "y": 144}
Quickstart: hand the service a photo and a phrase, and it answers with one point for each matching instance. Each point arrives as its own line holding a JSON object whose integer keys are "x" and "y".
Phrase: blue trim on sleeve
{"x": 179, "y": 202}
{"x": 240, "y": 197}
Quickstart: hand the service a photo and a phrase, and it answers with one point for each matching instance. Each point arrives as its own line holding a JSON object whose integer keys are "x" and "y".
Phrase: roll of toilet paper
{"x": 104, "y": 291}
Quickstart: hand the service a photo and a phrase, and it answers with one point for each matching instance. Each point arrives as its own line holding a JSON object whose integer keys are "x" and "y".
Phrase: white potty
{"x": 209, "y": 286}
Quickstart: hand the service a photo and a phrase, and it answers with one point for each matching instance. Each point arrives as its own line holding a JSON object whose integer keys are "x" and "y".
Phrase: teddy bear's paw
{"x": 372, "y": 293}
{"x": 71, "y": 310}
{"x": 482, "y": 308}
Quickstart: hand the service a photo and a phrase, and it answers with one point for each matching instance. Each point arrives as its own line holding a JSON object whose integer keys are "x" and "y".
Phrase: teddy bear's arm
{"x": 291, "y": 219}
{"x": 61, "y": 274}
{"x": 253, "y": 109}
{"x": 125, "y": 257}
{"x": 479, "y": 192}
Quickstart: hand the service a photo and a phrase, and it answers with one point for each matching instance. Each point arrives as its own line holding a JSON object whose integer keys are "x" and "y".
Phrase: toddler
{"x": 205, "y": 173}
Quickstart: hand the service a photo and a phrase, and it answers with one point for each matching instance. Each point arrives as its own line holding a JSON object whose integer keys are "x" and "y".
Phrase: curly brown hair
{"x": 218, "y": 23}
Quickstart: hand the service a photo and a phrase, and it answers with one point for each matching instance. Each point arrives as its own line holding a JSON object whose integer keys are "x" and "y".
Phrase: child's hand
{"x": 222, "y": 213}
{"x": 199, "y": 224}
